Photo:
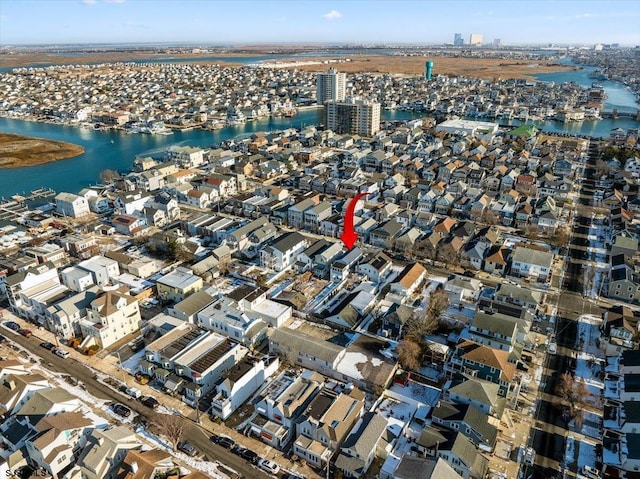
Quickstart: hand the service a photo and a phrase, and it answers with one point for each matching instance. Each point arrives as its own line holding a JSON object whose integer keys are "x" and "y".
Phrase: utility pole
{"x": 124, "y": 374}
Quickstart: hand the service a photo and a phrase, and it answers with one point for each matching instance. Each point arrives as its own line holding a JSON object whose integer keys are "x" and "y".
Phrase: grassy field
{"x": 17, "y": 151}
{"x": 489, "y": 68}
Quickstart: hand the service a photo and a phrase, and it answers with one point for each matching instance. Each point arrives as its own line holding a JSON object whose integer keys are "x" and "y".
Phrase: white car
{"x": 553, "y": 348}
{"x": 61, "y": 352}
{"x": 269, "y": 466}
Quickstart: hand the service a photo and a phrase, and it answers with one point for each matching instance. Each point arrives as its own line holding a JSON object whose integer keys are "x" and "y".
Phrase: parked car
{"x": 226, "y": 442}
{"x": 2, "y": 339}
{"x": 250, "y": 456}
{"x": 12, "y": 325}
{"x": 150, "y": 401}
{"x": 27, "y": 333}
{"x": 269, "y": 466}
{"x": 134, "y": 393}
{"x": 238, "y": 450}
{"x": 61, "y": 352}
{"x": 121, "y": 410}
{"x": 47, "y": 345}
{"x": 188, "y": 449}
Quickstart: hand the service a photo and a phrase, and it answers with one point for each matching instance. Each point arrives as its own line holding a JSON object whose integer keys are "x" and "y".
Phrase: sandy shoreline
{"x": 18, "y": 151}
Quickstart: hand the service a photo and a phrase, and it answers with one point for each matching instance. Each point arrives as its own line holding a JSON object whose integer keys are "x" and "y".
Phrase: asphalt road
{"x": 570, "y": 304}
{"x": 197, "y": 436}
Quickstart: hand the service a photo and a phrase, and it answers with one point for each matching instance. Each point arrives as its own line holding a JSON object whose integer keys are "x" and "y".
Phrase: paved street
{"x": 88, "y": 369}
{"x": 549, "y": 435}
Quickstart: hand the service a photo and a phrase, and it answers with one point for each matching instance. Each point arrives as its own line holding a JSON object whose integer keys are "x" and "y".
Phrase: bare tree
{"x": 107, "y": 176}
{"x": 420, "y": 326}
{"x": 438, "y": 303}
{"x": 409, "y": 354}
{"x": 561, "y": 236}
{"x": 447, "y": 254}
{"x": 490, "y": 217}
{"x": 575, "y": 394}
{"x": 172, "y": 426}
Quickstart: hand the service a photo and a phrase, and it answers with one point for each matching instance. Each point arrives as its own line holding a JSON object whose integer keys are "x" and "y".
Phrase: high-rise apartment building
{"x": 475, "y": 39}
{"x": 330, "y": 86}
{"x": 353, "y": 116}
{"x": 458, "y": 41}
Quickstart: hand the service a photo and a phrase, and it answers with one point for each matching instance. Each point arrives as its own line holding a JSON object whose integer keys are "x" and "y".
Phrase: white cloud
{"x": 332, "y": 15}
{"x": 114, "y": 1}
{"x": 89, "y": 2}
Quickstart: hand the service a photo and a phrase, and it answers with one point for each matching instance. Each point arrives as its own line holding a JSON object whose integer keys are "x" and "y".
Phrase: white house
{"x": 102, "y": 269}
{"x": 239, "y": 384}
{"x": 112, "y": 316}
{"x": 532, "y": 263}
{"x": 75, "y": 206}
{"x": 283, "y": 252}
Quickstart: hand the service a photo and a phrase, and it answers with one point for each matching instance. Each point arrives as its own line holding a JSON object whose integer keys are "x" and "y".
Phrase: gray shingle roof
{"x": 322, "y": 350}
{"x": 363, "y": 439}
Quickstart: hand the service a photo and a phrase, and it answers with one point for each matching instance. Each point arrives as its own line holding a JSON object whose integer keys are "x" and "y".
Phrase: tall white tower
{"x": 330, "y": 86}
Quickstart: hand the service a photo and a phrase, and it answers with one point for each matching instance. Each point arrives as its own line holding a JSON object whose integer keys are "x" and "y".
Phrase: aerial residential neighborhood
{"x": 426, "y": 282}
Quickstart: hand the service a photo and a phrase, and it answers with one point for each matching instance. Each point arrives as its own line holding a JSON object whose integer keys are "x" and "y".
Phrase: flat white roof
{"x": 179, "y": 278}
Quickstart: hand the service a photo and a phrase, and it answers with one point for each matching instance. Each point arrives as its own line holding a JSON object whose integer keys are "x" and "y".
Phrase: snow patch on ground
{"x": 131, "y": 364}
{"x": 209, "y": 468}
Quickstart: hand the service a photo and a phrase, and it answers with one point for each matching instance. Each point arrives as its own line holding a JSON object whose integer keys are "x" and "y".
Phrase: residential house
{"x": 149, "y": 464}
{"x": 74, "y": 206}
{"x": 412, "y": 467}
{"x": 200, "y": 366}
{"x": 188, "y": 309}
{"x": 455, "y": 448}
{"x": 113, "y": 315}
{"x": 63, "y": 317}
{"x": 469, "y": 420}
{"x": 225, "y": 316}
{"x": 281, "y": 404}
{"x": 239, "y": 383}
{"x": 361, "y": 446}
{"x": 532, "y": 262}
{"x": 283, "y": 252}
{"x": 376, "y": 268}
{"x": 102, "y": 269}
{"x": 104, "y": 453}
{"x": 58, "y": 441}
{"x": 178, "y": 284}
{"x": 480, "y": 393}
{"x": 386, "y": 234}
{"x": 408, "y": 281}
{"x": 474, "y": 359}
{"x": 326, "y": 423}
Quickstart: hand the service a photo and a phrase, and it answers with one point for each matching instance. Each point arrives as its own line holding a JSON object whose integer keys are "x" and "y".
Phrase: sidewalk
{"x": 109, "y": 366}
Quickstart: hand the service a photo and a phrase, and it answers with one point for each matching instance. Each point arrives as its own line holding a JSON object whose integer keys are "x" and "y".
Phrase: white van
{"x": 133, "y": 392}
{"x": 62, "y": 353}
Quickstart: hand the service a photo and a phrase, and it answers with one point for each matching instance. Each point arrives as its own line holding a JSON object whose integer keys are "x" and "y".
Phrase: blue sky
{"x": 321, "y": 21}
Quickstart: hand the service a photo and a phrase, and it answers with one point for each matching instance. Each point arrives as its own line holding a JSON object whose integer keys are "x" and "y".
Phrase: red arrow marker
{"x": 349, "y": 235}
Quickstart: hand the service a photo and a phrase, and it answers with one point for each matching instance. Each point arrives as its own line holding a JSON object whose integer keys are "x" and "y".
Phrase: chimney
{"x": 134, "y": 467}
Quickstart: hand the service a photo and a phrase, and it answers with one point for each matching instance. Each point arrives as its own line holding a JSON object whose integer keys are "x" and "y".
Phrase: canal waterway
{"x": 117, "y": 150}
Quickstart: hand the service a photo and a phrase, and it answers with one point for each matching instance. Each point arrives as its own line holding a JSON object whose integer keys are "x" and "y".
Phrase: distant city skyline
{"x": 226, "y": 22}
